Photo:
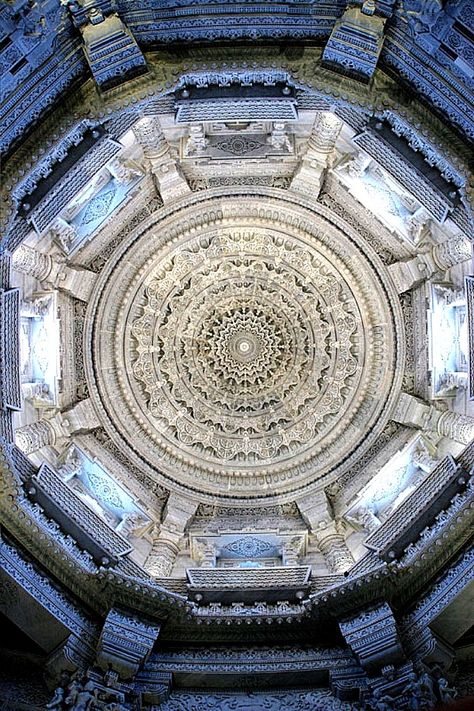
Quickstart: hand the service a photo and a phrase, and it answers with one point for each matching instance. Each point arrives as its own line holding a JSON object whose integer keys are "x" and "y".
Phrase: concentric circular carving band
{"x": 259, "y": 343}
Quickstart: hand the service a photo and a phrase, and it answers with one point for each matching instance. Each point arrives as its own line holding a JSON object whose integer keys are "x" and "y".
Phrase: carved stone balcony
{"x": 249, "y": 584}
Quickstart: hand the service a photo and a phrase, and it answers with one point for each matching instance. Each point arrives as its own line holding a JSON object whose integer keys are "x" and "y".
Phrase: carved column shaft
{"x": 333, "y": 546}
{"x": 324, "y": 135}
{"x": 151, "y": 138}
{"x": 165, "y": 547}
{"x": 458, "y": 427}
{"x": 454, "y": 251}
{"x": 329, "y": 533}
{"x": 171, "y": 183}
{"x": 26, "y": 260}
{"x": 162, "y": 556}
{"x": 52, "y": 270}
{"x": 408, "y": 274}
{"x": 33, "y": 437}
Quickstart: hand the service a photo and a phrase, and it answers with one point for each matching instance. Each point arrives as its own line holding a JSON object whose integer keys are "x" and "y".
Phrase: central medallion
{"x": 244, "y": 346}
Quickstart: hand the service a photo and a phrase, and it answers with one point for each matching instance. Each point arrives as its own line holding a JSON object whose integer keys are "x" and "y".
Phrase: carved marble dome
{"x": 255, "y": 338}
{"x": 236, "y": 354}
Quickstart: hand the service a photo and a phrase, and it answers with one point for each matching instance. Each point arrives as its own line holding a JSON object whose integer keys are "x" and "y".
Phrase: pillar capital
{"x": 414, "y": 412}
{"x": 53, "y": 271}
{"x": 165, "y": 546}
{"x": 308, "y": 178}
{"x": 408, "y": 274}
{"x": 47, "y": 432}
{"x": 150, "y": 136}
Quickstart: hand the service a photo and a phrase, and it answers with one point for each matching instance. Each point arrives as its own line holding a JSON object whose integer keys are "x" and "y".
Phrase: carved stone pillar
{"x": 407, "y": 275}
{"x": 414, "y": 412}
{"x": 26, "y": 260}
{"x": 451, "y": 252}
{"x": 165, "y": 547}
{"x": 171, "y": 183}
{"x": 458, "y": 427}
{"x": 33, "y": 437}
{"x": 53, "y": 272}
{"x": 329, "y": 533}
{"x": 164, "y": 551}
{"x": 43, "y": 433}
{"x": 332, "y": 544}
{"x": 309, "y": 177}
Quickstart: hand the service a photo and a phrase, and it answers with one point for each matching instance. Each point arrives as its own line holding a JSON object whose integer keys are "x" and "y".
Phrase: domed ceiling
{"x": 244, "y": 345}
{"x": 236, "y": 326}
{"x": 238, "y": 309}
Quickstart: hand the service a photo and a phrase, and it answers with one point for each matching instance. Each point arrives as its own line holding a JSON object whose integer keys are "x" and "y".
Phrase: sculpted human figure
{"x": 72, "y": 691}
{"x": 57, "y": 700}
{"x": 382, "y": 702}
{"x": 446, "y": 693}
{"x": 415, "y": 691}
{"x": 427, "y": 688}
{"x": 82, "y": 696}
